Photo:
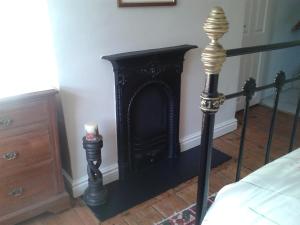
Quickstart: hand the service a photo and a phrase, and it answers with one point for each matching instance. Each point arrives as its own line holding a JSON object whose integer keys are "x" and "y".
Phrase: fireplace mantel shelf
{"x": 149, "y": 52}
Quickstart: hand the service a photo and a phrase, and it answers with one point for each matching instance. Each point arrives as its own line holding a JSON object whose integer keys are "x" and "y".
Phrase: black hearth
{"x": 158, "y": 178}
{"x": 147, "y": 104}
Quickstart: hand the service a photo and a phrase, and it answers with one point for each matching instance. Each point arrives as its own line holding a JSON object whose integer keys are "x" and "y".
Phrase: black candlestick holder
{"x": 96, "y": 193}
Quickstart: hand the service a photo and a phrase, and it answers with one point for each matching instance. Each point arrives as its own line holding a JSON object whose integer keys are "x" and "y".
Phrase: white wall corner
{"x": 78, "y": 186}
{"x": 194, "y": 139}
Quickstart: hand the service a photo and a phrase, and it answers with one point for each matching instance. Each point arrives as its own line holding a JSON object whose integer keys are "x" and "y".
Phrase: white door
{"x": 257, "y": 31}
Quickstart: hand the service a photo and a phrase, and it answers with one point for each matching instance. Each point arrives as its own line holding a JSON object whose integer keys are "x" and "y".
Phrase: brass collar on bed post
{"x": 213, "y": 56}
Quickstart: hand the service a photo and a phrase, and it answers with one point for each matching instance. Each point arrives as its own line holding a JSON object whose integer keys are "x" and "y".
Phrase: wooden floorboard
{"x": 184, "y": 195}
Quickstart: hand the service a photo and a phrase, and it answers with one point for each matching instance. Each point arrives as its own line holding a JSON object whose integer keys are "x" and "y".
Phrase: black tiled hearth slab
{"x": 151, "y": 182}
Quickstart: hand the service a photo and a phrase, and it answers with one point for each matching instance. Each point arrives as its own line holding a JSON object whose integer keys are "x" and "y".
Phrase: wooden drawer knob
{"x": 10, "y": 155}
{"x": 5, "y": 122}
{"x": 16, "y": 192}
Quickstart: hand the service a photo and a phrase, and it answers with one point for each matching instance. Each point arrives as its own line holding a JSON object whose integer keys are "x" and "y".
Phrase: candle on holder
{"x": 96, "y": 193}
{"x": 91, "y": 130}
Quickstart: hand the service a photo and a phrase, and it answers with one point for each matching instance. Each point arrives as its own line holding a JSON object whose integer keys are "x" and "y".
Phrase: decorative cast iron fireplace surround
{"x": 147, "y": 87}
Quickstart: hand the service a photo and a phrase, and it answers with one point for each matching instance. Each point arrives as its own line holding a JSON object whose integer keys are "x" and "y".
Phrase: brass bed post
{"x": 213, "y": 57}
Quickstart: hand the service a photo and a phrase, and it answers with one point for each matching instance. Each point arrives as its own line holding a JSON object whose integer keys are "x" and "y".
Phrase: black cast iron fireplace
{"x": 147, "y": 87}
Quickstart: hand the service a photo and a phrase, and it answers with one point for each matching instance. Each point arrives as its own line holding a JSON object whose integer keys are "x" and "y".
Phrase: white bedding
{"x": 268, "y": 196}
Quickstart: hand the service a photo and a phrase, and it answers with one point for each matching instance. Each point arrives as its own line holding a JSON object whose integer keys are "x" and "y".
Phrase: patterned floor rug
{"x": 186, "y": 216}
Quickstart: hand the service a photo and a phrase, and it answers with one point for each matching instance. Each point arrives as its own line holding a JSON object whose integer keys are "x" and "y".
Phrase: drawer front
{"x": 17, "y": 152}
{"x": 16, "y": 115}
{"x": 26, "y": 188}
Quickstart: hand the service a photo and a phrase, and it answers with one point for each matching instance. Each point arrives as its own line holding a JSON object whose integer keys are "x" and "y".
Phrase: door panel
{"x": 257, "y": 29}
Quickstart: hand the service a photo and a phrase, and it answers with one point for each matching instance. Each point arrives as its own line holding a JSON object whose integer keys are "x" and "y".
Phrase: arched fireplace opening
{"x": 151, "y": 107}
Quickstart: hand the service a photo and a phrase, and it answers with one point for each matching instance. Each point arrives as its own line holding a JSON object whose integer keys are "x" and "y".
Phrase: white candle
{"x": 91, "y": 131}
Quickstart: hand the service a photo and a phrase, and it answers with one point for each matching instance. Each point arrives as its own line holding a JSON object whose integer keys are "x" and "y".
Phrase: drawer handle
{"x": 16, "y": 192}
{"x": 10, "y": 155}
{"x": 5, "y": 122}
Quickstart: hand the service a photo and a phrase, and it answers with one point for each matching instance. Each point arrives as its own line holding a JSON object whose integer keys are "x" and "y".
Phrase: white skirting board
{"x": 220, "y": 129}
{"x": 78, "y": 186}
{"x": 111, "y": 172}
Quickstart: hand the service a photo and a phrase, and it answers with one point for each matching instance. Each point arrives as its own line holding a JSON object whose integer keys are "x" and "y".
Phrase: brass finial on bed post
{"x": 213, "y": 56}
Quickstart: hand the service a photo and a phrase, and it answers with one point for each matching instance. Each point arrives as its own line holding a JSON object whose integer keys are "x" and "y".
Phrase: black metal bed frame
{"x": 213, "y": 57}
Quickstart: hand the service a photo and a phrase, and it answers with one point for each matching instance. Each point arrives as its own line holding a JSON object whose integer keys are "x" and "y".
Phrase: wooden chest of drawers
{"x": 30, "y": 169}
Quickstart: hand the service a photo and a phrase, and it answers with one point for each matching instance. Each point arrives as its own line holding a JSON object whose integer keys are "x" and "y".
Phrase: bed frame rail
{"x": 213, "y": 57}
{"x": 249, "y": 89}
{"x": 261, "y": 48}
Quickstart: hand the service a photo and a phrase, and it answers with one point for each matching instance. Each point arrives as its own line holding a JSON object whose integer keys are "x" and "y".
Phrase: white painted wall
{"x": 286, "y": 15}
{"x": 86, "y": 30}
